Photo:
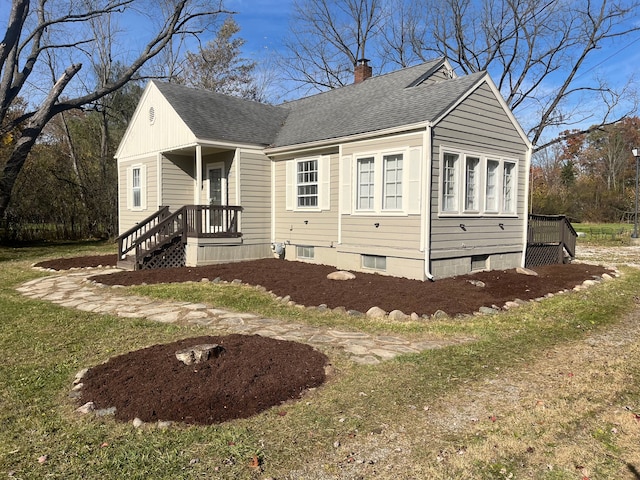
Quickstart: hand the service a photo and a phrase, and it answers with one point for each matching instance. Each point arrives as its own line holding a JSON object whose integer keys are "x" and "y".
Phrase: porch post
{"x": 198, "y": 189}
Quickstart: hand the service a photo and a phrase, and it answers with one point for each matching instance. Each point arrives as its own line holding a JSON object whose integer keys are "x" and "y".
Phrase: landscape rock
{"x": 440, "y": 314}
{"x": 199, "y": 353}
{"x": 80, "y": 375}
{"x": 86, "y": 408}
{"x": 341, "y": 275}
{"x": 526, "y": 271}
{"x": 376, "y": 312}
{"x": 137, "y": 423}
{"x": 487, "y": 310}
{"x": 510, "y": 305}
{"x": 398, "y": 315}
{"x": 477, "y": 283}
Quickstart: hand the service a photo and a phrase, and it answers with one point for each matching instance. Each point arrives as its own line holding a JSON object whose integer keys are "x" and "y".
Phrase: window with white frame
{"x": 366, "y": 185}
{"x": 491, "y": 192}
{"x": 392, "y": 182}
{"x": 379, "y": 182}
{"x": 472, "y": 179}
{"x": 450, "y": 183}
{"x": 307, "y": 183}
{"x": 136, "y": 188}
{"x": 508, "y": 187}
{"x": 475, "y": 184}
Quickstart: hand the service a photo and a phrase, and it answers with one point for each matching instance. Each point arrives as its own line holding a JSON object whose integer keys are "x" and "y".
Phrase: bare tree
{"x": 327, "y": 39}
{"x": 537, "y": 53}
{"x": 65, "y": 28}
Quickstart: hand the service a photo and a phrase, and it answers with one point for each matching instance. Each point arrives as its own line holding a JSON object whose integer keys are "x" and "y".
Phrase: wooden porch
{"x": 550, "y": 239}
{"x": 159, "y": 240}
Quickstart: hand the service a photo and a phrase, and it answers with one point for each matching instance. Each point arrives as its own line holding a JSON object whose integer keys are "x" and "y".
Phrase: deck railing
{"x": 163, "y": 228}
{"x": 212, "y": 221}
{"x": 549, "y": 236}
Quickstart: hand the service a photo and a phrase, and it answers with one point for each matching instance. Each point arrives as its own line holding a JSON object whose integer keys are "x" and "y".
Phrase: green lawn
{"x": 604, "y": 233}
{"x": 368, "y": 421}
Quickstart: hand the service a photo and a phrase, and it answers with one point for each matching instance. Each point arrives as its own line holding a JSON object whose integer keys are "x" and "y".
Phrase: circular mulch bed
{"x": 252, "y": 374}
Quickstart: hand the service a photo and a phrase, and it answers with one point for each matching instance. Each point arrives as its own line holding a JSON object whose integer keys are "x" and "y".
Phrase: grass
{"x": 531, "y": 398}
{"x": 606, "y": 234}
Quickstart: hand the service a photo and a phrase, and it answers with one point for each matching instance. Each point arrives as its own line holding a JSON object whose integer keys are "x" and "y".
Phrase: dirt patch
{"x": 307, "y": 285}
{"x": 252, "y": 374}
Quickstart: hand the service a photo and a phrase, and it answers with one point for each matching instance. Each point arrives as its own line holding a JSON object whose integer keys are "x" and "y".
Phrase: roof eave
{"x": 299, "y": 147}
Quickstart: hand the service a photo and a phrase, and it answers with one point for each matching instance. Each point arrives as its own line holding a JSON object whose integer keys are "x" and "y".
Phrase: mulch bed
{"x": 307, "y": 285}
{"x": 252, "y": 374}
{"x": 256, "y": 373}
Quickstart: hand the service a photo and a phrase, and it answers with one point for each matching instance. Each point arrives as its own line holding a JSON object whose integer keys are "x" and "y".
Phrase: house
{"x": 417, "y": 173}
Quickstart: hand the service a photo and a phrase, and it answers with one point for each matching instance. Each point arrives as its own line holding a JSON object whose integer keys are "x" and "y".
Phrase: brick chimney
{"x": 362, "y": 71}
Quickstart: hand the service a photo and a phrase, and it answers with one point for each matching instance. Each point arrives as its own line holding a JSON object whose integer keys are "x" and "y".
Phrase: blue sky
{"x": 263, "y": 24}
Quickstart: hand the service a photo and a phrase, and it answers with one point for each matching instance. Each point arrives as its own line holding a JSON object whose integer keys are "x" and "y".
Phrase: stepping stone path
{"x": 73, "y": 289}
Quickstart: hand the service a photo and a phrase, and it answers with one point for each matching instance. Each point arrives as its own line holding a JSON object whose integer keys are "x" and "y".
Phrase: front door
{"x": 217, "y": 197}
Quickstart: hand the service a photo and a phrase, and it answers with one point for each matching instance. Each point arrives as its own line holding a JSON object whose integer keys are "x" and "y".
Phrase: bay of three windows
{"x": 474, "y": 184}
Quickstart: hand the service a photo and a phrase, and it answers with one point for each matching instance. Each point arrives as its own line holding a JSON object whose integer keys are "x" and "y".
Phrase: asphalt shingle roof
{"x": 378, "y": 103}
{"x": 214, "y": 116}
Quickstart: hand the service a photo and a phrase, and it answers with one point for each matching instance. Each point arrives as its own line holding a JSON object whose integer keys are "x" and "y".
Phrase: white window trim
{"x": 324, "y": 187}
{"x": 481, "y": 185}
{"x": 143, "y": 187}
{"x": 378, "y": 183}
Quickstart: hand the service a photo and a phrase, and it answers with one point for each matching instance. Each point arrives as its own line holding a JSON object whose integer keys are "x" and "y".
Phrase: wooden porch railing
{"x": 549, "y": 236}
{"x": 212, "y": 221}
{"x": 163, "y": 228}
{"x": 127, "y": 241}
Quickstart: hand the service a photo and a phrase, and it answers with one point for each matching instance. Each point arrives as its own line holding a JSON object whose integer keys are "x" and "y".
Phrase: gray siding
{"x": 306, "y": 227}
{"x": 255, "y": 196}
{"x": 478, "y": 125}
{"x": 177, "y": 181}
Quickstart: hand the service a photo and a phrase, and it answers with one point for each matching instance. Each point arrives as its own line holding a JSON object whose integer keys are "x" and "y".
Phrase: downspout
{"x": 426, "y": 204}
{"x": 525, "y": 210}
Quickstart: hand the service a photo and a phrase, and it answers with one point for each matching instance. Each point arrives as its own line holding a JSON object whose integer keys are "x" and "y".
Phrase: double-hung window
{"x": 471, "y": 187}
{"x": 491, "y": 193}
{"x": 366, "y": 183}
{"x": 508, "y": 187}
{"x": 136, "y": 188}
{"x": 450, "y": 183}
{"x": 392, "y": 191}
{"x": 379, "y": 183}
{"x": 307, "y": 183}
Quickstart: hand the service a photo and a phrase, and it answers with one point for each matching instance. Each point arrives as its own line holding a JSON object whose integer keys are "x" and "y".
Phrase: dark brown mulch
{"x": 79, "y": 262}
{"x": 255, "y": 373}
{"x": 252, "y": 374}
{"x": 307, "y": 284}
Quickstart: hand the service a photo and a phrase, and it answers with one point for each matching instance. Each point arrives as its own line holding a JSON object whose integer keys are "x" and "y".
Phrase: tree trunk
{"x": 29, "y": 136}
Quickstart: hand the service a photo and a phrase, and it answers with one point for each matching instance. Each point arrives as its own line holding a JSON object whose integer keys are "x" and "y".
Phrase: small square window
{"x": 306, "y": 252}
{"x": 374, "y": 262}
{"x": 479, "y": 262}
